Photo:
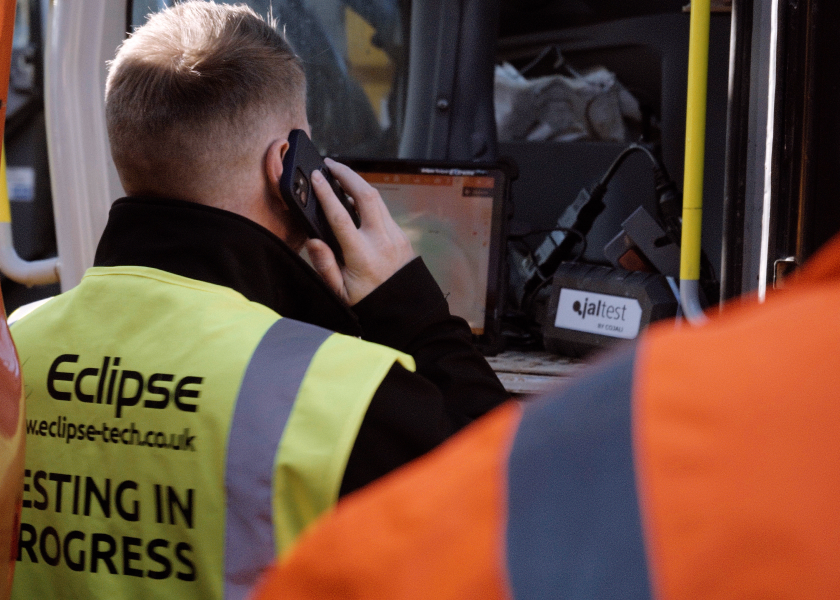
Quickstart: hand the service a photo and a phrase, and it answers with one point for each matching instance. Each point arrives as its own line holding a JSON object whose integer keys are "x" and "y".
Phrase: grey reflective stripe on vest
{"x": 574, "y": 524}
{"x": 262, "y": 409}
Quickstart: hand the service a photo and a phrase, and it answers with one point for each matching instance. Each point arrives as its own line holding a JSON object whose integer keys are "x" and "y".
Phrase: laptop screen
{"x": 454, "y": 216}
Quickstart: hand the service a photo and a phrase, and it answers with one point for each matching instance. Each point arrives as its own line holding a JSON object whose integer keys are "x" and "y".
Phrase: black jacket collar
{"x": 223, "y": 248}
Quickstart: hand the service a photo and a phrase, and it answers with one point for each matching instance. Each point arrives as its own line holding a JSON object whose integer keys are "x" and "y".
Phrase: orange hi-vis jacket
{"x": 697, "y": 463}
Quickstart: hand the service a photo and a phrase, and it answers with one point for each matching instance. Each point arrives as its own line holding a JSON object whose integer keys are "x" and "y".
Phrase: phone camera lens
{"x": 300, "y": 187}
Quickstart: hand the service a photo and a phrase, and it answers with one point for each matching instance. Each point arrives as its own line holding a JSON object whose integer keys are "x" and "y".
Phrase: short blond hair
{"x": 191, "y": 87}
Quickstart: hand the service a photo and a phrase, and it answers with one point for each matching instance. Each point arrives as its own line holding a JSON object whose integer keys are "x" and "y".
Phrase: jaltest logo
{"x": 604, "y": 310}
{"x": 603, "y": 314}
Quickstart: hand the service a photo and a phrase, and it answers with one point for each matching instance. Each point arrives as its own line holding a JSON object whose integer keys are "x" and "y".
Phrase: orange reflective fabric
{"x": 822, "y": 267}
{"x": 434, "y": 529}
{"x": 11, "y": 397}
{"x": 7, "y": 28}
{"x": 736, "y": 428}
{"x": 12, "y": 447}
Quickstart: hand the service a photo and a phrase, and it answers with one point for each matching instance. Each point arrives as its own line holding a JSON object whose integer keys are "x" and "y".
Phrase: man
{"x": 697, "y": 463}
{"x": 182, "y": 433}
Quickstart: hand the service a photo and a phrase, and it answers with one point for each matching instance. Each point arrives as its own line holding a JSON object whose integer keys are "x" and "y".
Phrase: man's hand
{"x": 372, "y": 253}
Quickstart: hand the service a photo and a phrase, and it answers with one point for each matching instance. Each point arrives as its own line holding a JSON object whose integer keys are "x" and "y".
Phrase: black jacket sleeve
{"x": 411, "y": 413}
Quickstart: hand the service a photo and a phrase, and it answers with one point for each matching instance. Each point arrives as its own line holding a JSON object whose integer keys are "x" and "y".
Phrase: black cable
{"x": 530, "y": 296}
{"x": 631, "y": 149}
{"x": 582, "y": 213}
{"x": 669, "y": 210}
{"x": 533, "y": 258}
{"x": 538, "y": 274}
{"x": 669, "y": 200}
{"x": 575, "y": 232}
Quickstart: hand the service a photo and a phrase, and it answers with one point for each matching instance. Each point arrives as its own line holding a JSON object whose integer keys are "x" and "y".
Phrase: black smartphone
{"x": 300, "y": 161}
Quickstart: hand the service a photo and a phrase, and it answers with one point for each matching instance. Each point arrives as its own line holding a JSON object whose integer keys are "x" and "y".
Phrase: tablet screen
{"x": 454, "y": 217}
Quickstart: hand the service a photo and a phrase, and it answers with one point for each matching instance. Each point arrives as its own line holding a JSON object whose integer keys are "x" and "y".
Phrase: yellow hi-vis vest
{"x": 179, "y": 437}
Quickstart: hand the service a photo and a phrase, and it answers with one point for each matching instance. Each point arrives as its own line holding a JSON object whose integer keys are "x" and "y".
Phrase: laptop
{"x": 455, "y": 215}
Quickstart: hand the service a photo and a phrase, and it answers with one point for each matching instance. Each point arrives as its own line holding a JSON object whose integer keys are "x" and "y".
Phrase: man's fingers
{"x": 368, "y": 203}
{"x": 372, "y": 253}
{"x": 337, "y": 216}
{"x": 324, "y": 263}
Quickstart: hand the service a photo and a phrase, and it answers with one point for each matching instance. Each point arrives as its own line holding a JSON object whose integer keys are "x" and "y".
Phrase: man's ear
{"x": 274, "y": 165}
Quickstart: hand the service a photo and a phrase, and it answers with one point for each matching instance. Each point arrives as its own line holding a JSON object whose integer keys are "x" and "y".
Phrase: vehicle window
{"x": 23, "y": 79}
{"x": 354, "y": 54}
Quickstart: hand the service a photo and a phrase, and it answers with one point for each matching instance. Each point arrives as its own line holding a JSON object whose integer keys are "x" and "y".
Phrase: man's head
{"x": 194, "y": 100}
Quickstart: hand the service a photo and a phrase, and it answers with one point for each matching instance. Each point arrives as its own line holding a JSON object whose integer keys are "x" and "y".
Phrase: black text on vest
{"x": 122, "y": 388}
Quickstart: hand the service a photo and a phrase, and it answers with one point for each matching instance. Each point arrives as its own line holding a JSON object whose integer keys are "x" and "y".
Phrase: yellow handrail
{"x": 695, "y": 148}
{"x": 5, "y": 210}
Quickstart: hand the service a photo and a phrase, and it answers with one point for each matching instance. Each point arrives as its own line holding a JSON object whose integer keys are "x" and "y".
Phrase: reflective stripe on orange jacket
{"x": 698, "y": 463}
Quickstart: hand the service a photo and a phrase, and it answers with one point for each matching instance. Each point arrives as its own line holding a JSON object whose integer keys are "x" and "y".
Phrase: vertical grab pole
{"x": 28, "y": 272}
{"x": 695, "y": 149}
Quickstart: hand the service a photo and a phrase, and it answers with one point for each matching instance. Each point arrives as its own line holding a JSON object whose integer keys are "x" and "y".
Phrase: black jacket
{"x": 410, "y": 413}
